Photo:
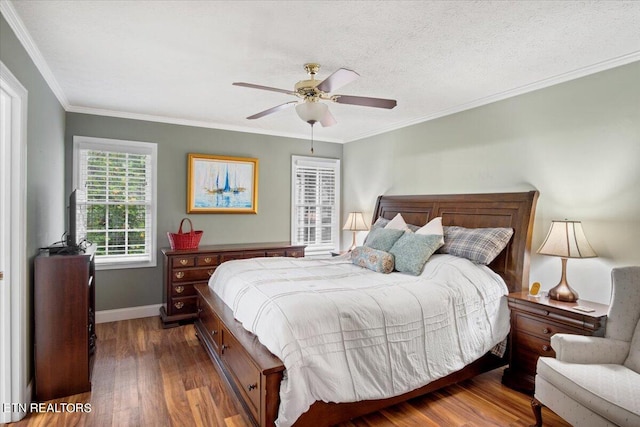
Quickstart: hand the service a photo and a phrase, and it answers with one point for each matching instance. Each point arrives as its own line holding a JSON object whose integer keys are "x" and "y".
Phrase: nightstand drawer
{"x": 183, "y": 305}
{"x": 527, "y": 349}
{"x": 541, "y": 327}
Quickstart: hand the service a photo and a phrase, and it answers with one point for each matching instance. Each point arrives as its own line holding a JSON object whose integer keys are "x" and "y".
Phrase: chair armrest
{"x": 589, "y": 350}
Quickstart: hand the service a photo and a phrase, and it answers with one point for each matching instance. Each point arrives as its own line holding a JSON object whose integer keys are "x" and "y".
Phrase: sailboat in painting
{"x": 212, "y": 187}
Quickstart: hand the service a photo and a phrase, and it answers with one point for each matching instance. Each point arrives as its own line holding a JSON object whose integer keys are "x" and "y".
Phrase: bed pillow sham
{"x": 480, "y": 245}
{"x": 382, "y": 239}
{"x": 411, "y": 251}
{"x": 373, "y": 259}
{"x": 397, "y": 223}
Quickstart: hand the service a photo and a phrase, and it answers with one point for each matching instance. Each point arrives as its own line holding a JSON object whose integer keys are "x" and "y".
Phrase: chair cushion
{"x": 611, "y": 391}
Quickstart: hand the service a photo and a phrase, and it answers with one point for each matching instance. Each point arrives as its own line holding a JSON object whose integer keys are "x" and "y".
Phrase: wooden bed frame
{"x": 255, "y": 374}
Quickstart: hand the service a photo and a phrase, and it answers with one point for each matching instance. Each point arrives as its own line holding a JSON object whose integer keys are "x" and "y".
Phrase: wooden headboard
{"x": 512, "y": 210}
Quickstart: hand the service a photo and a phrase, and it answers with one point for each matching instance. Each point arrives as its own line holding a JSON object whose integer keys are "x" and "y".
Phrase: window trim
{"x": 335, "y": 232}
{"x": 133, "y": 147}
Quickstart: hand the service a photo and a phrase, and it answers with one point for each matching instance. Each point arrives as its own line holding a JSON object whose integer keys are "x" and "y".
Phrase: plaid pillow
{"x": 480, "y": 245}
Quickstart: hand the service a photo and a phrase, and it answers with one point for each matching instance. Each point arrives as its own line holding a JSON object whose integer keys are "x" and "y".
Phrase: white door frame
{"x": 14, "y": 354}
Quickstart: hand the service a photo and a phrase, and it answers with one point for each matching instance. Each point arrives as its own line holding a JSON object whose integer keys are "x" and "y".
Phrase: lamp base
{"x": 562, "y": 291}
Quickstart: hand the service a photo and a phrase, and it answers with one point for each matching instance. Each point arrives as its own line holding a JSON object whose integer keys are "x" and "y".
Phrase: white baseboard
{"x": 105, "y": 316}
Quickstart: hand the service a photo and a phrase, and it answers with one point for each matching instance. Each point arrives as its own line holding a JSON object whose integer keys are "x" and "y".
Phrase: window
{"x": 116, "y": 200}
{"x": 315, "y": 204}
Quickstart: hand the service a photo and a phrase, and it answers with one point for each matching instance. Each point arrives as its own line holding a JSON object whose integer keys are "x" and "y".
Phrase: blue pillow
{"x": 382, "y": 239}
{"x": 412, "y": 251}
{"x": 373, "y": 259}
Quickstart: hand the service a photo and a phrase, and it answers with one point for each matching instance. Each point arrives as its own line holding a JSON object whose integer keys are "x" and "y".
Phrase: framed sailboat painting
{"x": 222, "y": 184}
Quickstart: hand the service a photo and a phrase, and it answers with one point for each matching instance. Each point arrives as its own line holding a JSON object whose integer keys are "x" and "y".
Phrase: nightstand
{"x": 533, "y": 321}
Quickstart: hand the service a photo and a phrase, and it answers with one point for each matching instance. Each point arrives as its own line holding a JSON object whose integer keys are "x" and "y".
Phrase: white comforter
{"x": 345, "y": 333}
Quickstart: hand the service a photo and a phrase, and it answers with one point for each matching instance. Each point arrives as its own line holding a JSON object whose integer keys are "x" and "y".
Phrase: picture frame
{"x": 222, "y": 184}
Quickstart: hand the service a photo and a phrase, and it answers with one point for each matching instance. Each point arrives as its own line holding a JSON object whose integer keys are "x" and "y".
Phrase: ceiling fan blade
{"x": 338, "y": 79}
{"x": 272, "y": 110}
{"x": 272, "y": 89}
{"x": 328, "y": 120}
{"x": 365, "y": 101}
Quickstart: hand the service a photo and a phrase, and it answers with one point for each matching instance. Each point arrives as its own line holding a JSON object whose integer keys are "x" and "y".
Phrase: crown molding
{"x": 16, "y": 24}
{"x": 188, "y": 122}
{"x": 540, "y": 84}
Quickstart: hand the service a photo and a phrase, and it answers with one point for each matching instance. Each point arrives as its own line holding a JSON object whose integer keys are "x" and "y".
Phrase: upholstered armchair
{"x": 595, "y": 381}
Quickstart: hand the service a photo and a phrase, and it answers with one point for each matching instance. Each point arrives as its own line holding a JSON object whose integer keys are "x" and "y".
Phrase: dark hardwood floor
{"x": 148, "y": 376}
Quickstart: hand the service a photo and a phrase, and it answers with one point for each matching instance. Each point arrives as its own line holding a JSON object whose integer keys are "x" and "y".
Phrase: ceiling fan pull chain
{"x": 312, "y": 138}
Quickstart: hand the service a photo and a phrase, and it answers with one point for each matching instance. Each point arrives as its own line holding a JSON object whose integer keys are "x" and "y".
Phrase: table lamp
{"x": 566, "y": 239}
{"x": 355, "y": 222}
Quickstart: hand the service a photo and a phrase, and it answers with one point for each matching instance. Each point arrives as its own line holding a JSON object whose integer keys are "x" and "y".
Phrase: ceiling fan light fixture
{"x": 312, "y": 112}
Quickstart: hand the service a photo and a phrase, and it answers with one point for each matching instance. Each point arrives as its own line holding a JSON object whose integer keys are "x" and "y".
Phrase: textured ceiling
{"x": 175, "y": 61}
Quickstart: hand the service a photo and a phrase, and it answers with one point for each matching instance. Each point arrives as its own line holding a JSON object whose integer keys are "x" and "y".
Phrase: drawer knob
{"x": 179, "y": 289}
{"x": 252, "y": 386}
{"x": 545, "y": 331}
{"x": 213, "y": 332}
{"x": 210, "y": 272}
{"x": 184, "y": 261}
{"x": 199, "y": 310}
{"x": 207, "y": 260}
{"x": 178, "y": 305}
{"x": 179, "y": 274}
{"x": 546, "y": 348}
{"x": 223, "y": 347}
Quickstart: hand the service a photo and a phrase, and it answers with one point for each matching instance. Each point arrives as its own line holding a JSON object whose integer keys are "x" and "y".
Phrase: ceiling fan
{"x": 312, "y": 91}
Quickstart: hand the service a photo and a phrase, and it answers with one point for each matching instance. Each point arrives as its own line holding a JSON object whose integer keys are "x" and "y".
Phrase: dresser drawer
{"x": 208, "y": 259}
{"x": 542, "y": 327}
{"x": 276, "y": 253}
{"x": 182, "y": 290}
{"x": 228, "y": 256}
{"x": 246, "y": 374}
{"x": 183, "y": 261}
{"x": 253, "y": 254}
{"x": 182, "y": 305}
{"x": 192, "y": 275}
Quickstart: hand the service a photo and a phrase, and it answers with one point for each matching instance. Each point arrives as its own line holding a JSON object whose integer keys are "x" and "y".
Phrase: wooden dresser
{"x": 533, "y": 322}
{"x": 64, "y": 324}
{"x": 185, "y": 268}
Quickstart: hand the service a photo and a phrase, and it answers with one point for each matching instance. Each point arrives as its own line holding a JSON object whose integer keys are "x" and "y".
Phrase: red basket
{"x": 181, "y": 240}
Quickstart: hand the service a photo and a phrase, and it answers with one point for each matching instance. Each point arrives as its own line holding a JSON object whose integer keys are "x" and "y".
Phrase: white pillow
{"x": 433, "y": 227}
{"x": 397, "y": 223}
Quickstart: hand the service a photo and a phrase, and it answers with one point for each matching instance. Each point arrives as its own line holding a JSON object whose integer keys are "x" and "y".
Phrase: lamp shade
{"x": 355, "y": 222}
{"x": 566, "y": 239}
{"x": 312, "y": 112}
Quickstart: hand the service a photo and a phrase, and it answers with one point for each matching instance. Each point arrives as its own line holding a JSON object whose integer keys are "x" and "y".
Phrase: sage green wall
{"x": 45, "y": 156}
{"x": 143, "y": 286}
{"x": 578, "y": 143}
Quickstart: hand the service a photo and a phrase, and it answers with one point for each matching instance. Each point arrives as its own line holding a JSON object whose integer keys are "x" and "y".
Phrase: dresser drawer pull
{"x": 546, "y": 348}
{"x": 179, "y": 289}
{"x": 213, "y": 332}
{"x": 179, "y": 274}
{"x": 207, "y": 260}
{"x": 223, "y": 347}
{"x": 545, "y": 331}
{"x": 252, "y": 386}
{"x": 184, "y": 261}
{"x": 210, "y": 272}
{"x": 178, "y": 305}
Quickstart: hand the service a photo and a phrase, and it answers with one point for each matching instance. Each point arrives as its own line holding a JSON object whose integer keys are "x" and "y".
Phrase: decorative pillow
{"x": 382, "y": 239}
{"x": 373, "y": 259}
{"x": 433, "y": 227}
{"x": 397, "y": 223}
{"x": 412, "y": 251}
{"x": 380, "y": 223}
{"x": 480, "y": 245}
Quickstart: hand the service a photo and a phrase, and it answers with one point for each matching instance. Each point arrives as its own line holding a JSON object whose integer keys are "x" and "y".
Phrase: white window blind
{"x": 315, "y": 204}
{"x": 116, "y": 200}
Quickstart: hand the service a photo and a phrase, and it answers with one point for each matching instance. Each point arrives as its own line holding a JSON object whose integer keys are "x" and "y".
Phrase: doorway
{"x": 14, "y": 354}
